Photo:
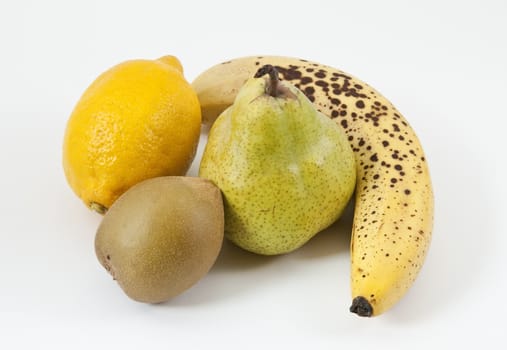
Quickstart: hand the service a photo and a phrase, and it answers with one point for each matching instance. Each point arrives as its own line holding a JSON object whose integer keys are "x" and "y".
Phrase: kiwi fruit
{"x": 162, "y": 236}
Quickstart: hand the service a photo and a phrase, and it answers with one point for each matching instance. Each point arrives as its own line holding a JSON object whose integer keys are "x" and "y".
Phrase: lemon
{"x": 140, "y": 119}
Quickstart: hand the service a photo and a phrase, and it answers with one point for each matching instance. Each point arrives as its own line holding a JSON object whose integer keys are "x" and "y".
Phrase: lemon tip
{"x": 172, "y": 61}
{"x": 97, "y": 207}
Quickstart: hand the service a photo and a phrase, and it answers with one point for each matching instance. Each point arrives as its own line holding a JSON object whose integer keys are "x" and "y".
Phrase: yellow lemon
{"x": 138, "y": 120}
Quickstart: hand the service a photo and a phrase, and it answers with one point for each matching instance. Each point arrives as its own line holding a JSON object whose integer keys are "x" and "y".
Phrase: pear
{"x": 285, "y": 170}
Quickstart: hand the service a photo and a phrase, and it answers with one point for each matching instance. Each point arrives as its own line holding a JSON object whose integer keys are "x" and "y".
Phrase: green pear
{"x": 285, "y": 170}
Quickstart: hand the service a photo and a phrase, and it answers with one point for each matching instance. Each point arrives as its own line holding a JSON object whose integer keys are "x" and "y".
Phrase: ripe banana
{"x": 393, "y": 214}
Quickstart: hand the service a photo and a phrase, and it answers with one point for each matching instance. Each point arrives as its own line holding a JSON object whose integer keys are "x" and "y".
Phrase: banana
{"x": 393, "y": 214}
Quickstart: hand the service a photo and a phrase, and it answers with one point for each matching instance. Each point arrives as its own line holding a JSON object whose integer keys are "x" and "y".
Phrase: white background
{"x": 442, "y": 63}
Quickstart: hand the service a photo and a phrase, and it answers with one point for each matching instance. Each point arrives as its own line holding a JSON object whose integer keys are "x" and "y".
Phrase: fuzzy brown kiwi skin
{"x": 161, "y": 236}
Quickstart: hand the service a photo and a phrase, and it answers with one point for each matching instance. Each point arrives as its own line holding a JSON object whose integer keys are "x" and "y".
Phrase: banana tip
{"x": 361, "y": 306}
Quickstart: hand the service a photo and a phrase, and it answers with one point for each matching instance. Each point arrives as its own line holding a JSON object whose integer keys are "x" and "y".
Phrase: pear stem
{"x": 272, "y": 88}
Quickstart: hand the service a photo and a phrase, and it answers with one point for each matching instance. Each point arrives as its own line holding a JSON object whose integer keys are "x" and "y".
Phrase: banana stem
{"x": 272, "y": 88}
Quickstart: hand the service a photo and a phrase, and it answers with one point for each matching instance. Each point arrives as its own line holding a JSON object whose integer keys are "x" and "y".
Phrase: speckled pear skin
{"x": 285, "y": 170}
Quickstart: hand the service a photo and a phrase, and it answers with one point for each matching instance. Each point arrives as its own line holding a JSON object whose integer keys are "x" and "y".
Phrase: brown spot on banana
{"x": 394, "y": 197}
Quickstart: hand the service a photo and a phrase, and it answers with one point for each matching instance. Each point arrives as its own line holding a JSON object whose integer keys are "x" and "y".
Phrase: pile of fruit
{"x": 289, "y": 142}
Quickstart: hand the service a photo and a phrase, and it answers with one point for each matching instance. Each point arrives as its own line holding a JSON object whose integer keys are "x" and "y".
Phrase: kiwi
{"x": 162, "y": 236}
